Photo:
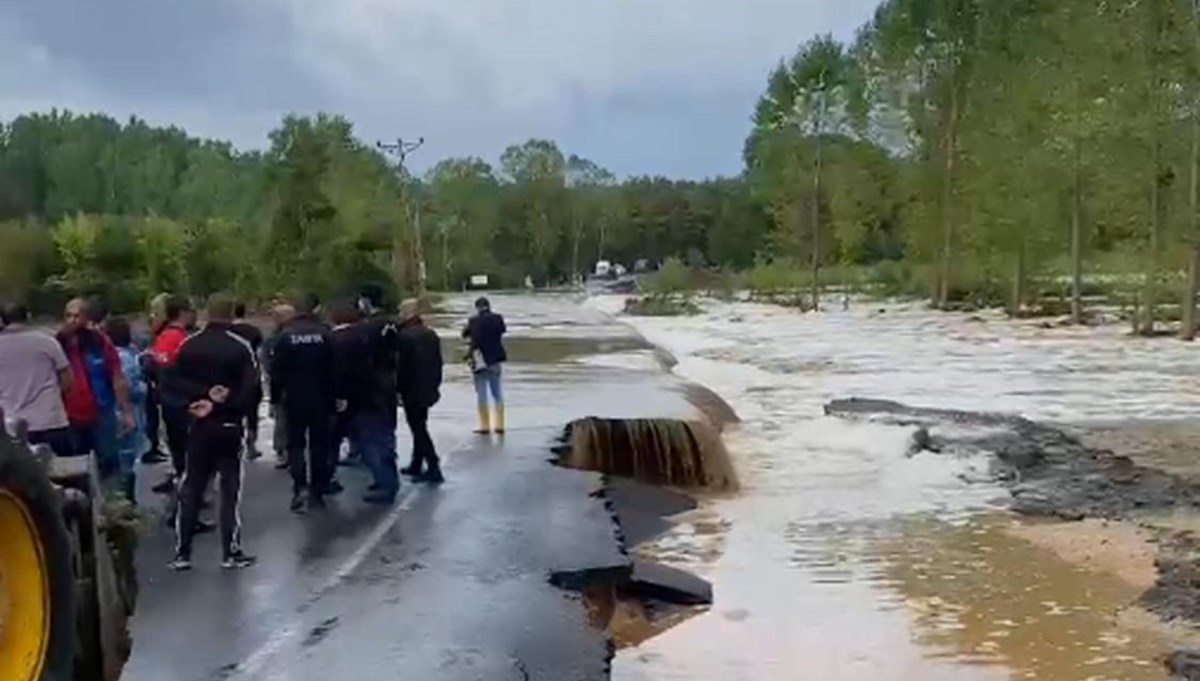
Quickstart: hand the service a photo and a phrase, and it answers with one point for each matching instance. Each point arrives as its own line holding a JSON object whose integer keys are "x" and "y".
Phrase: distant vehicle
{"x": 642, "y": 266}
{"x": 479, "y": 281}
{"x": 603, "y": 268}
{"x": 619, "y": 270}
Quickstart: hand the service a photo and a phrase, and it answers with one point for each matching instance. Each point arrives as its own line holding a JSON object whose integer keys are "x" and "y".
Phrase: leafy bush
{"x": 661, "y": 305}
{"x": 24, "y": 259}
{"x": 673, "y": 278}
{"x": 775, "y": 278}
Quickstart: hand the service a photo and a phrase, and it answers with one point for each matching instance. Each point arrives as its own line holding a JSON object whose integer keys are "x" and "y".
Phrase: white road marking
{"x": 253, "y": 664}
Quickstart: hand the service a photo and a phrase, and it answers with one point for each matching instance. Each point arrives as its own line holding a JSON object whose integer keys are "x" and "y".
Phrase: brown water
{"x": 842, "y": 558}
{"x": 845, "y": 558}
{"x": 658, "y": 451}
{"x": 979, "y": 596}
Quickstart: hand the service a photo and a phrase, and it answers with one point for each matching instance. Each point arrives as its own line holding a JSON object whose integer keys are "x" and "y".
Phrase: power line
{"x": 400, "y": 149}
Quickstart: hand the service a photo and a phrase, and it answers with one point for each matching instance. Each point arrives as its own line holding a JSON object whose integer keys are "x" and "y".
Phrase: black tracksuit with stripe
{"x": 215, "y": 356}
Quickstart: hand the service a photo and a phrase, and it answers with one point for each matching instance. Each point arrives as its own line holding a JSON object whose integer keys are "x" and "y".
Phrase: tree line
{"x": 966, "y": 150}
{"x": 89, "y": 205}
{"x": 998, "y": 144}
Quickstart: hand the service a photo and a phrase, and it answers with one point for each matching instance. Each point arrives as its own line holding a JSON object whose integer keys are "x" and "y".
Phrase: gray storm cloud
{"x": 641, "y": 86}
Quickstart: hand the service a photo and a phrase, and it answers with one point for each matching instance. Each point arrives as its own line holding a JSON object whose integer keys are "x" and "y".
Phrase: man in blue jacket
{"x": 486, "y": 332}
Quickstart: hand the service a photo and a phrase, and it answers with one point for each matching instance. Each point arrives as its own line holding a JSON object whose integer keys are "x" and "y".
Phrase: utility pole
{"x": 400, "y": 149}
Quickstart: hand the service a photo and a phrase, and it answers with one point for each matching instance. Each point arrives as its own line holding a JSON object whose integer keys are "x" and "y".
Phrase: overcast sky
{"x": 639, "y": 86}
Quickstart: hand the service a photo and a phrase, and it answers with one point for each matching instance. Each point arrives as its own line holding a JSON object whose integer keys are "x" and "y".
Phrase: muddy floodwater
{"x": 843, "y": 557}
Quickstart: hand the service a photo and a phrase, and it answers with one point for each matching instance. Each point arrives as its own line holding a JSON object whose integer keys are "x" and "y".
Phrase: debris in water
{"x": 656, "y": 451}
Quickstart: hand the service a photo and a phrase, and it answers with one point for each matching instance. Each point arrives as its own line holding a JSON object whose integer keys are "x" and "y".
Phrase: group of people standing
{"x": 332, "y": 375}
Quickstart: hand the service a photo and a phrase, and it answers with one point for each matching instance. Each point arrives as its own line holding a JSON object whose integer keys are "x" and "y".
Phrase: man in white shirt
{"x": 34, "y": 372}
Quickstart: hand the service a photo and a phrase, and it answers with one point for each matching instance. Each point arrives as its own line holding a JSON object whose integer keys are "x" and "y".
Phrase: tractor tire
{"x": 31, "y": 517}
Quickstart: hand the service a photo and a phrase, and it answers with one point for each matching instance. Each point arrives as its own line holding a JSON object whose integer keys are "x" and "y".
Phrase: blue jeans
{"x": 374, "y": 435}
{"x": 100, "y": 439}
{"x": 488, "y": 380}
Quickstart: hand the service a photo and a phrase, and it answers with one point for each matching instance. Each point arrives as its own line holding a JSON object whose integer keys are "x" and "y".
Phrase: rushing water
{"x": 843, "y": 557}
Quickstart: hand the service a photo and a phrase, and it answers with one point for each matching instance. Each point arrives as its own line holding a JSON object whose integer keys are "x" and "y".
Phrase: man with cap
{"x": 419, "y": 381}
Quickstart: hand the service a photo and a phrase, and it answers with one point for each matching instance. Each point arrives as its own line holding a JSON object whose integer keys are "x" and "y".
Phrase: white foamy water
{"x": 798, "y": 593}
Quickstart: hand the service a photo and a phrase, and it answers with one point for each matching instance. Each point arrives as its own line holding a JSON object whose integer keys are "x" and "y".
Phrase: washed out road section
{"x": 451, "y": 584}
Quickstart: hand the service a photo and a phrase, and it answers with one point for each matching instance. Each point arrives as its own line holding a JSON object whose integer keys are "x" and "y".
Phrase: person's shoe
{"x": 281, "y": 462}
{"x": 485, "y": 421}
{"x": 333, "y": 488}
{"x": 411, "y": 470}
{"x": 180, "y": 564}
{"x": 380, "y": 497}
{"x": 299, "y": 502}
{"x": 238, "y": 561}
{"x": 316, "y": 501}
{"x": 165, "y": 487}
{"x": 253, "y": 454}
{"x": 153, "y": 457}
{"x": 373, "y": 487}
{"x": 433, "y": 477}
{"x": 205, "y": 527}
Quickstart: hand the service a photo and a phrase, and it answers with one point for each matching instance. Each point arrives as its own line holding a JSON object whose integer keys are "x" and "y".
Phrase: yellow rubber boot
{"x": 499, "y": 418}
{"x": 485, "y": 425}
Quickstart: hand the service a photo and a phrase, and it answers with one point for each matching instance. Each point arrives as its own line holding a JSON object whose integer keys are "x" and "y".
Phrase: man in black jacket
{"x": 375, "y": 424}
{"x": 419, "y": 380}
{"x": 351, "y": 374}
{"x": 302, "y": 382}
{"x": 254, "y": 336}
{"x": 215, "y": 373}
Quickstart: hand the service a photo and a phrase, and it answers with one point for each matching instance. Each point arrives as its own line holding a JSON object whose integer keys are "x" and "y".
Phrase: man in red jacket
{"x": 163, "y": 352}
{"x": 97, "y": 402}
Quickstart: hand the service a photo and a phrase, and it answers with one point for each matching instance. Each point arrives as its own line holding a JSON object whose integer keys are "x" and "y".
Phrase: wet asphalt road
{"x": 450, "y": 583}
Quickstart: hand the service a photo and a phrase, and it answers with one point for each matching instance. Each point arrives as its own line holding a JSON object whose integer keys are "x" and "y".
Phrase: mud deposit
{"x": 1052, "y": 474}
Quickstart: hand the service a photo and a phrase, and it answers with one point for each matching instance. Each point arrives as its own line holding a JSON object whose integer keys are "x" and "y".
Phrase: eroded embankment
{"x": 650, "y": 467}
{"x": 1052, "y": 474}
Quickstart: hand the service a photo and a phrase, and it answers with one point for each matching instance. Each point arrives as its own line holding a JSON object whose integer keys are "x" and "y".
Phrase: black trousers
{"x": 175, "y": 422}
{"x": 341, "y": 433}
{"x": 309, "y": 430}
{"x": 214, "y": 448}
{"x": 57, "y": 439}
{"x": 252, "y": 429}
{"x": 424, "y": 456}
{"x": 152, "y": 417}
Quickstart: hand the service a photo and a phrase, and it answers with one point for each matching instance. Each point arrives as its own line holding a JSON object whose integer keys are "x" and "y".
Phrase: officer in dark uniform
{"x": 302, "y": 383}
